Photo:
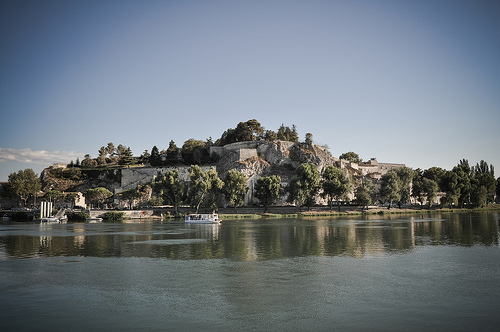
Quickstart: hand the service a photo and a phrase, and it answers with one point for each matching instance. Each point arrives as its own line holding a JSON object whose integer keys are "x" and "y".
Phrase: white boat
{"x": 211, "y": 218}
{"x": 93, "y": 219}
{"x": 52, "y": 220}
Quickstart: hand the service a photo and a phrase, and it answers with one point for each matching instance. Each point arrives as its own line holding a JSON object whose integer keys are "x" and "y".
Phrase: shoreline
{"x": 289, "y": 212}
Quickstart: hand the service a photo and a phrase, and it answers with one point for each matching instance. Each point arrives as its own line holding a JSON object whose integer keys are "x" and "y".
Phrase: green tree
{"x": 70, "y": 198}
{"x": 101, "y": 159}
{"x": 268, "y": 190}
{"x": 169, "y": 187}
{"x": 309, "y": 139}
{"x": 391, "y": 187}
{"x": 351, "y": 156}
{"x": 430, "y": 190}
{"x": 199, "y": 184}
{"x": 99, "y": 194}
{"x": 244, "y": 131}
{"x": 363, "y": 193}
{"x": 335, "y": 184}
{"x": 450, "y": 185}
{"x": 270, "y": 135}
{"x": 144, "y": 157}
{"x": 417, "y": 189}
{"x": 173, "y": 153}
{"x": 88, "y": 162}
{"x": 304, "y": 186}
{"x": 405, "y": 175}
{"x": 286, "y": 133}
{"x": 483, "y": 176}
{"x": 464, "y": 173}
{"x": 436, "y": 174}
{"x": 195, "y": 152}
{"x": 498, "y": 190}
{"x": 126, "y": 157}
{"x": 23, "y": 185}
{"x": 154, "y": 158}
{"x": 54, "y": 196}
{"x": 111, "y": 149}
{"x": 214, "y": 193}
{"x": 235, "y": 187}
{"x": 129, "y": 196}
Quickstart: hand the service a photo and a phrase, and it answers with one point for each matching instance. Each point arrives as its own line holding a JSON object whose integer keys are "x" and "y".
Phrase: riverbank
{"x": 295, "y": 212}
{"x": 274, "y": 212}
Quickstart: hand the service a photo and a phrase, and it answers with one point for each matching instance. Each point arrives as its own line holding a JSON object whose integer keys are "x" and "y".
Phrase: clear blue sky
{"x": 414, "y": 82}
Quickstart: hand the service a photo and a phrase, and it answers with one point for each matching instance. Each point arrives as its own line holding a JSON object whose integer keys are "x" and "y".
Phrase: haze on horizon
{"x": 413, "y": 82}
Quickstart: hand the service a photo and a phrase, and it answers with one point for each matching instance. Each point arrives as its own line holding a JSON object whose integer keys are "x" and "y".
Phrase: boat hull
{"x": 202, "y": 219}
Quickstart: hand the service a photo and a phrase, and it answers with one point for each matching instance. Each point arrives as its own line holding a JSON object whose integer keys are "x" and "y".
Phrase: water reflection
{"x": 250, "y": 240}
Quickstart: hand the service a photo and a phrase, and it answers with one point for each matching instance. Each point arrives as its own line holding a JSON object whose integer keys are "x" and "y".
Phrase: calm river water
{"x": 377, "y": 273}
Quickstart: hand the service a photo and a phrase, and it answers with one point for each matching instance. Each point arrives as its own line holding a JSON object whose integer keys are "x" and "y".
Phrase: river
{"x": 436, "y": 272}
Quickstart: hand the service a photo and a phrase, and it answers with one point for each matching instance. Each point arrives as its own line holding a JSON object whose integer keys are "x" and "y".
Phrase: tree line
{"x": 462, "y": 186}
{"x": 192, "y": 152}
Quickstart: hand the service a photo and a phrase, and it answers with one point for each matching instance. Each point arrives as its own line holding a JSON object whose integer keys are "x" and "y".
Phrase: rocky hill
{"x": 252, "y": 158}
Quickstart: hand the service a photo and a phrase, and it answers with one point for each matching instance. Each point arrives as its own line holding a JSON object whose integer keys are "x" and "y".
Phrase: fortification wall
{"x": 132, "y": 177}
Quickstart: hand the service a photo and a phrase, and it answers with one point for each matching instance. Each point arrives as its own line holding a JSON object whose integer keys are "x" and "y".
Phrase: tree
{"x": 430, "y": 189}
{"x": 268, "y": 190}
{"x": 244, "y": 131}
{"x": 335, "y": 184}
{"x": 309, "y": 139}
{"x": 173, "y": 153}
{"x": 364, "y": 192}
{"x": 101, "y": 159}
{"x": 287, "y": 134}
{"x": 154, "y": 158}
{"x": 304, "y": 186}
{"x": 270, "y": 135}
{"x": 99, "y": 194}
{"x": 351, "y": 156}
{"x": 483, "y": 176}
{"x": 54, "y": 196}
{"x": 391, "y": 187}
{"x": 195, "y": 152}
{"x": 126, "y": 157}
{"x": 424, "y": 188}
{"x": 436, "y": 174}
{"x": 464, "y": 173}
{"x": 170, "y": 188}
{"x": 450, "y": 185}
{"x": 235, "y": 187}
{"x": 214, "y": 193}
{"x": 405, "y": 175}
{"x": 88, "y": 162}
{"x": 120, "y": 150}
{"x": 23, "y": 185}
{"x": 199, "y": 185}
{"x": 129, "y": 196}
{"x": 70, "y": 198}
{"x": 417, "y": 189}
{"x": 498, "y": 189}
{"x": 144, "y": 157}
{"x": 110, "y": 149}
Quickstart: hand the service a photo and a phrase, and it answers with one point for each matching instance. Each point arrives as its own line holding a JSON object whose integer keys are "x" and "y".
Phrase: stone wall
{"x": 132, "y": 177}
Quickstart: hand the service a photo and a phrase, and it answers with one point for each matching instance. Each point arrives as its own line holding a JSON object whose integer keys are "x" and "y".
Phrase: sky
{"x": 412, "y": 82}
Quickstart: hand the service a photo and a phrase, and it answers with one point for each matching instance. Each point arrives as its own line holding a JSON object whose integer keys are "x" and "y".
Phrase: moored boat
{"x": 211, "y": 218}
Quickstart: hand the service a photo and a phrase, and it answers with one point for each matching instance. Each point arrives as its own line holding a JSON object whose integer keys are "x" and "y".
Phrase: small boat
{"x": 211, "y": 218}
{"x": 93, "y": 219}
{"x": 52, "y": 220}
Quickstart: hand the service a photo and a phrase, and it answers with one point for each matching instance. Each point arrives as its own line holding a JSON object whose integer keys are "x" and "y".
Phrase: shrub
{"x": 113, "y": 216}
{"x": 77, "y": 216}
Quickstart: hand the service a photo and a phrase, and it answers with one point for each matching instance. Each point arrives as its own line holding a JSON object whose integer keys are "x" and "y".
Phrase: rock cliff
{"x": 254, "y": 159}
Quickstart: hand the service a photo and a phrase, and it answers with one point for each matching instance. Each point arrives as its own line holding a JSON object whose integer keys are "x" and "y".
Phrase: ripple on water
{"x": 171, "y": 242}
